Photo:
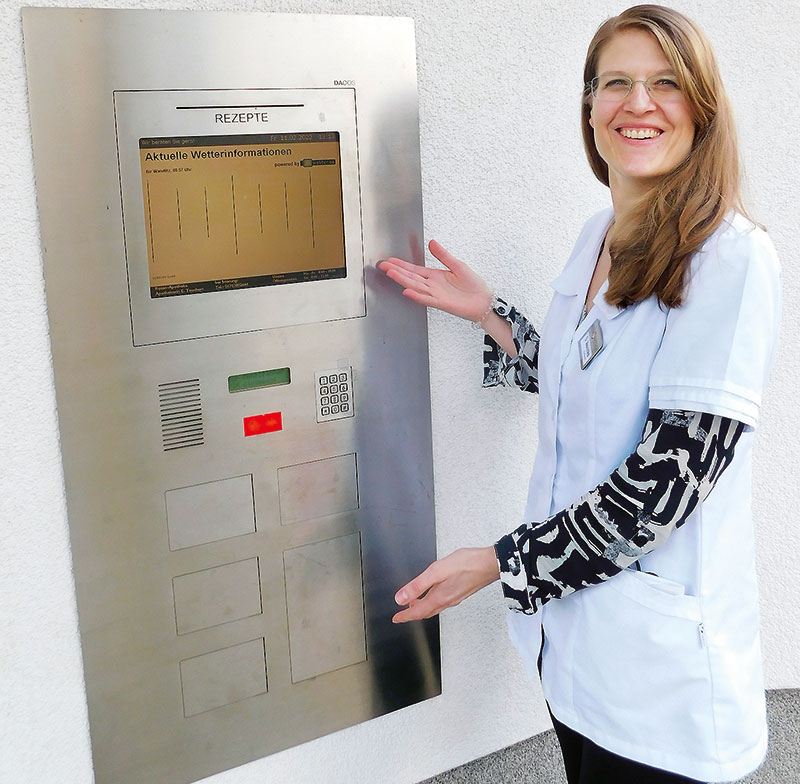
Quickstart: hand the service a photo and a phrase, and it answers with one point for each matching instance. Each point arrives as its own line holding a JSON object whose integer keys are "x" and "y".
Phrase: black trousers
{"x": 587, "y": 763}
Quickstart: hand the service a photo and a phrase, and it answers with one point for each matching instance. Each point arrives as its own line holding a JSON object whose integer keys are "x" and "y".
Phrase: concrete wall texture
{"x": 506, "y": 187}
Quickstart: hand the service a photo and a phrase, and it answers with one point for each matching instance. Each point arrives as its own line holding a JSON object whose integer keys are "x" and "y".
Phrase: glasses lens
{"x": 610, "y": 88}
{"x": 664, "y": 88}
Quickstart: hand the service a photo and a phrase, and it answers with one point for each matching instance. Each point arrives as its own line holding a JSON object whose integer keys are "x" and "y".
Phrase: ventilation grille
{"x": 181, "y": 414}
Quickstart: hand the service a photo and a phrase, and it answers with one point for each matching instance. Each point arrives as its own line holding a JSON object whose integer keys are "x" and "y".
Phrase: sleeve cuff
{"x": 512, "y": 577}
{"x": 499, "y": 369}
{"x": 521, "y": 370}
{"x": 733, "y": 403}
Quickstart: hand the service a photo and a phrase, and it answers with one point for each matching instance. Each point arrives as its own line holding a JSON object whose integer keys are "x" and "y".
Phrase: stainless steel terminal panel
{"x": 243, "y": 399}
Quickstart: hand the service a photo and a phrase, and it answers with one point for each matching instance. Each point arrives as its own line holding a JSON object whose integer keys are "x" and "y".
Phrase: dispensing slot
{"x": 222, "y": 677}
{"x": 218, "y": 595}
{"x": 210, "y": 512}
{"x": 325, "y": 604}
{"x": 319, "y": 488}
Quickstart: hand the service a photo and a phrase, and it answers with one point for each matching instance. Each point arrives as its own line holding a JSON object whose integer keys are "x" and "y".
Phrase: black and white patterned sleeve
{"x": 499, "y": 369}
{"x": 681, "y": 456}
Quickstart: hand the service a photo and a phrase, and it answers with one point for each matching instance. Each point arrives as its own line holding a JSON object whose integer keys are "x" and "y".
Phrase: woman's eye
{"x": 669, "y": 84}
{"x": 615, "y": 83}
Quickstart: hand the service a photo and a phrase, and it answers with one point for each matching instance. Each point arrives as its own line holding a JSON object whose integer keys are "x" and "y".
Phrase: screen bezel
{"x": 182, "y": 113}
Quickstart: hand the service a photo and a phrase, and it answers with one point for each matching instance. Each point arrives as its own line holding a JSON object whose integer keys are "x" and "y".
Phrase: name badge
{"x": 590, "y": 344}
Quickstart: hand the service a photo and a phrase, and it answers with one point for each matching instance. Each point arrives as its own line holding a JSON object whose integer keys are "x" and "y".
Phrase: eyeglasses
{"x": 615, "y": 87}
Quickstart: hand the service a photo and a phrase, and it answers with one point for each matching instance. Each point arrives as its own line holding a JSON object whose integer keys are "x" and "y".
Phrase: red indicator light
{"x": 263, "y": 423}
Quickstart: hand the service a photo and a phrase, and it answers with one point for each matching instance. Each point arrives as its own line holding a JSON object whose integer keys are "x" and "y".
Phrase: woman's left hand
{"x": 448, "y": 582}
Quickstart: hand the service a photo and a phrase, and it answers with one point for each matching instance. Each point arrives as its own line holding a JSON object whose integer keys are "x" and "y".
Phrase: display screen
{"x": 259, "y": 379}
{"x": 232, "y": 212}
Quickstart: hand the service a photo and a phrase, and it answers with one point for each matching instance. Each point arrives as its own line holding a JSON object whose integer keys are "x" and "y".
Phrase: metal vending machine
{"x": 243, "y": 400}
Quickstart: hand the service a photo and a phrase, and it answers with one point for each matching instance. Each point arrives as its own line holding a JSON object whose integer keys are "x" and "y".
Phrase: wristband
{"x": 492, "y": 305}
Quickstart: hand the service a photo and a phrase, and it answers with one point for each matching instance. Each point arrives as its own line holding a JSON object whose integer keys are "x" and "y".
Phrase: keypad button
{"x": 334, "y": 409}
{"x": 344, "y": 397}
{"x": 333, "y": 388}
{"x": 345, "y": 407}
{"x": 323, "y": 380}
{"x": 334, "y": 398}
{"x": 325, "y": 411}
{"x": 342, "y": 376}
{"x": 325, "y": 400}
{"x": 324, "y": 391}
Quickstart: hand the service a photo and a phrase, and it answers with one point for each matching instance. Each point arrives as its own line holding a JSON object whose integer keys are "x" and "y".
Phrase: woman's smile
{"x": 639, "y": 134}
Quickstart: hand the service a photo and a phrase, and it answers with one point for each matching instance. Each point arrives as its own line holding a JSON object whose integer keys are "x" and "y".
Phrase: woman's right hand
{"x": 456, "y": 289}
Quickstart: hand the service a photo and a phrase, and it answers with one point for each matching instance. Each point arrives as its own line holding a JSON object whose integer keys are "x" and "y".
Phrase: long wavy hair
{"x": 651, "y": 246}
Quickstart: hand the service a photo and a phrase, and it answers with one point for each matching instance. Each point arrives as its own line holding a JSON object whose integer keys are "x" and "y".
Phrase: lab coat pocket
{"x": 659, "y": 594}
{"x": 644, "y": 672}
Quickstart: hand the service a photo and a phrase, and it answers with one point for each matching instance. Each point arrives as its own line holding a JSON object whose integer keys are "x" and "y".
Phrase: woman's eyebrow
{"x": 665, "y": 72}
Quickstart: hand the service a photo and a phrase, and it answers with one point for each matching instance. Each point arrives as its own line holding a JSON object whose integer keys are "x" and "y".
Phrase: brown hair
{"x": 651, "y": 247}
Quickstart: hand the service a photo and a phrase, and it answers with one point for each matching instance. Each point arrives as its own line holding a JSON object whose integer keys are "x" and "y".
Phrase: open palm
{"x": 456, "y": 290}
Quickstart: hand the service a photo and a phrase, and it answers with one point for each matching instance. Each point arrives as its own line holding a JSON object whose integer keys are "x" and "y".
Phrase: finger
{"x": 420, "y": 293}
{"x": 419, "y": 609}
{"x": 414, "y": 589}
{"x": 411, "y": 614}
{"x": 416, "y": 612}
{"x": 444, "y": 255}
{"x": 414, "y": 287}
{"x": 408, "y": 279}
{"x": 394, "y": 263}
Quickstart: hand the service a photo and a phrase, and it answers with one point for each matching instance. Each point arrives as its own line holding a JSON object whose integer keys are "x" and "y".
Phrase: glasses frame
{"x": 591, "y": 85}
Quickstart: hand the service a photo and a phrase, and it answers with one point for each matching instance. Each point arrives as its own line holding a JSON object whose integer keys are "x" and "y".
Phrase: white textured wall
{"x": 507, "y": 188}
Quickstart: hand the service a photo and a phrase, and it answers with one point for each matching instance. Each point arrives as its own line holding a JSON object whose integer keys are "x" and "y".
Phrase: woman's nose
{"x": 639, "y": 98}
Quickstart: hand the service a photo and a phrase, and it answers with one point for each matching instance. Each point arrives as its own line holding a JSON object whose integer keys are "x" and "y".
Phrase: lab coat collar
{"x": 608, "y": 311}
{"x": 577, "y": 274}
{"x": 572, "y": 279}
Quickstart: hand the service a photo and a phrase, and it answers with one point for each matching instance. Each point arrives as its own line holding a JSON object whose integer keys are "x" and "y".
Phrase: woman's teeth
{"x": 640, "y": 133}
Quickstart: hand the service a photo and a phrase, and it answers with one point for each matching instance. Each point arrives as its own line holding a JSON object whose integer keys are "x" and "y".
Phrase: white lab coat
{"x": 664, "y": 670}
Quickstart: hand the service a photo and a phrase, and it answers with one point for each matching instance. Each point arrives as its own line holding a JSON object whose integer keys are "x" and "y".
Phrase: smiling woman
{"x": 637, "y": 551}
{"x": 678, "y": 187}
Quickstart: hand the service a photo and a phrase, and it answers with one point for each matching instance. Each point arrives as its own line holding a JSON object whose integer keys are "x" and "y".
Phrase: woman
{"x": 638, "y": 556}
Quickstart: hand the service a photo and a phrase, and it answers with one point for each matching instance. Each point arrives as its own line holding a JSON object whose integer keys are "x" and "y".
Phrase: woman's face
{"x": 632, "y": 162}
